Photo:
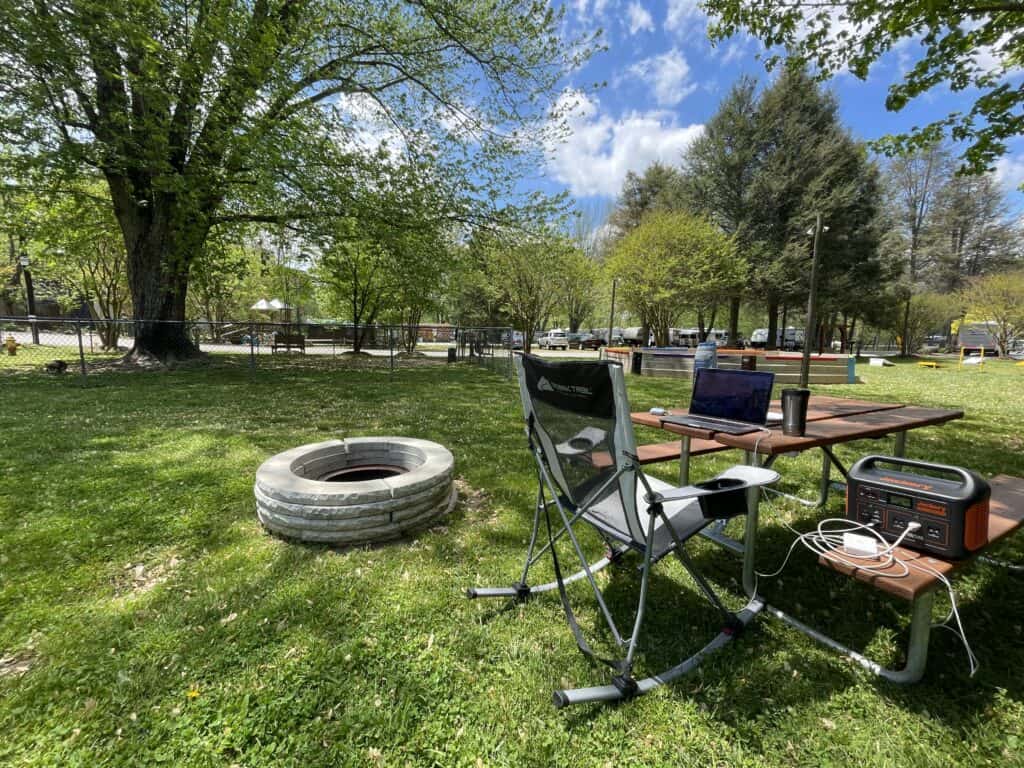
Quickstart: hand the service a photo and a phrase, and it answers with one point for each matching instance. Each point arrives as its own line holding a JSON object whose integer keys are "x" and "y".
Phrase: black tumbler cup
{"x": 794, "y": 411}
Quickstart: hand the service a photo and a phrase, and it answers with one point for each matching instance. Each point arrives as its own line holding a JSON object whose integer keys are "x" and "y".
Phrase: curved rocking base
{"x": 564, "y": 698}
{"x": 521, "y": 592}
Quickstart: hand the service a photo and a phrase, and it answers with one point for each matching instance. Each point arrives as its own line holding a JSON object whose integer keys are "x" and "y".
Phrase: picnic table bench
{"x": 287, "y": 342}
{"x": 917, "y": 585}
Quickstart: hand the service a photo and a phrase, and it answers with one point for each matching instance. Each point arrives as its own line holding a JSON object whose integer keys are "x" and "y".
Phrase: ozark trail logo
{"x": 543, "y": 385}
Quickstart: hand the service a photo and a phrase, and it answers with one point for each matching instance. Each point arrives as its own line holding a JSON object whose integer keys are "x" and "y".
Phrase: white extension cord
{"x": 861, "y": 546}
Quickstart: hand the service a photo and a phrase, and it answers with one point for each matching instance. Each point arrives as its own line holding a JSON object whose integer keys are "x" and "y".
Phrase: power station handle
{"x": 965, "y": 477}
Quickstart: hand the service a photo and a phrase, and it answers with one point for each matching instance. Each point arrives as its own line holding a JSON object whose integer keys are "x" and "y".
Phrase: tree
{"x": 203, "y": 114}
{"x": 852, "y": 36}
{"x": 523, "y": 272}
{"x": 808, "y": 164}
{"x": 929, "y": 311}
{"x": 674, "y": 262}
{"x": 998, "y": 301}
{"x": 659, "y": 188}
{"x": 80, "y": 250}
{"x": 913, "y": 181}
{"x": 969, "y": 233}
{"x": 578, "y": 277}
{"x": 718, "y": 169}
{"x": 225, "y": 279}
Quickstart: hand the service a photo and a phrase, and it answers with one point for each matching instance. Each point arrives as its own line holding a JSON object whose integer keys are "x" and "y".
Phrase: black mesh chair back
{"x": 579, "y": 414}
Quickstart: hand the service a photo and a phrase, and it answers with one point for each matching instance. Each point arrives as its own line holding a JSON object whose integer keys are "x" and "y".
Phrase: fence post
{"x": 252, "y": 347}
{"x": 81, "y": 349}
{"x": 391, "y": 347}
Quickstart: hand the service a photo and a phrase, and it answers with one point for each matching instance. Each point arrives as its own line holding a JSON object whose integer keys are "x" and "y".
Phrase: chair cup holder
{"x": 729, "y": 500}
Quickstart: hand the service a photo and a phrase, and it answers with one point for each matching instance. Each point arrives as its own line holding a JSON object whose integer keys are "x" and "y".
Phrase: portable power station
{"x": 950, "y": 503}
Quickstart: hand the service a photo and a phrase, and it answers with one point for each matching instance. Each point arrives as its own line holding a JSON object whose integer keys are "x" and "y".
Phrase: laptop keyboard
{"x": 712, "y": 425}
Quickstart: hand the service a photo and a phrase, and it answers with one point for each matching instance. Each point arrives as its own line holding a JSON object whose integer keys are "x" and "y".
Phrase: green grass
{"x": 230, "y": 647}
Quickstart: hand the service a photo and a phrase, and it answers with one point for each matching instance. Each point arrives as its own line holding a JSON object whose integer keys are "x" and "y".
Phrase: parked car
{"x": 515, "y": 342}
{"x": 554, "y": 339}
{"x": 586, "y": 341}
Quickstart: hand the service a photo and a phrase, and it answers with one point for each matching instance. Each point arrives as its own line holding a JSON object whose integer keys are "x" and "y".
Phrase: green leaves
{"x": 674, "y": 262}
{"x": 952, "y": 40}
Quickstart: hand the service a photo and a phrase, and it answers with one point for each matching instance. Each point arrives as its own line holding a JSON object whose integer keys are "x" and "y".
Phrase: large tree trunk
{"x": 734, "y": 320}
{"x": 905, "y": 335}
{"x": 773, "y": 324}
{"x": 161, "y": 235}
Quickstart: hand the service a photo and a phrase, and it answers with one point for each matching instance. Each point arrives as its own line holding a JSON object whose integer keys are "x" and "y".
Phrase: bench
{"x": 927, "y": 364}
{"x": 287, "y": 342}
{"x": 652, "y": 453}
{"x": 1006, "y": 514}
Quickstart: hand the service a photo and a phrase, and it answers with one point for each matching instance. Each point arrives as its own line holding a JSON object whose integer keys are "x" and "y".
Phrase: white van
{"x": 793, "y": 338}
{"x": 554, "y": 339}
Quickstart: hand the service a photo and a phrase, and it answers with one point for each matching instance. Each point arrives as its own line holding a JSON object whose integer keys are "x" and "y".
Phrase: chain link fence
{"x": 85, "y": 347}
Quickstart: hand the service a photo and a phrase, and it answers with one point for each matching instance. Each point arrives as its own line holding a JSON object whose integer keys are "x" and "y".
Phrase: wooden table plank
{"x": 860, "y": 426}
{"x": 1006, "y": 514}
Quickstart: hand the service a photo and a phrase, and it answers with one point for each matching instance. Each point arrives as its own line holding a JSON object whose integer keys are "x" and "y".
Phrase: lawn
{"x": 146, "y": 618}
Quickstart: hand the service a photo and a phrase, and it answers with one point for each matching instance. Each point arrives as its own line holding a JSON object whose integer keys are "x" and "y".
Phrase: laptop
{"x": 733, "y": 402}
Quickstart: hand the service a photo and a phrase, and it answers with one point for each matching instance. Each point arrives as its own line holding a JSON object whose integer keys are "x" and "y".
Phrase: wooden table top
{"x": 830, "y": 420}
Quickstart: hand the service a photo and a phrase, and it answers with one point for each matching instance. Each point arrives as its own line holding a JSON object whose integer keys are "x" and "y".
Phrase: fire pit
{"x": 355, "y": 491}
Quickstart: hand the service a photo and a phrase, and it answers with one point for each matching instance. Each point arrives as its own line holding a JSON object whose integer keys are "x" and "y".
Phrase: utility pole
{"x": 812, "y": 297}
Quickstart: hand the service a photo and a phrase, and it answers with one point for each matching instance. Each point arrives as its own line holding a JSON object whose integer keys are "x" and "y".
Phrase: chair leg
{"x": 612, "y": 692}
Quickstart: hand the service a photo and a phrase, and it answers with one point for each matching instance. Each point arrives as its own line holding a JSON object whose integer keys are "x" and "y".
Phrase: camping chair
{"x": 577, "y": 416}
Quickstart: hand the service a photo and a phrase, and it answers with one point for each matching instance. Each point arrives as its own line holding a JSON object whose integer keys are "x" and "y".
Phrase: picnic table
{"x": 832, "y": 421}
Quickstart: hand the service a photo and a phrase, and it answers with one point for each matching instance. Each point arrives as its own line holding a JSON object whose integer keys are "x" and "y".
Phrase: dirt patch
{"x": 16, "y": 664}
{"x": 140, "y": 577}
{"x": 475, "y": 502}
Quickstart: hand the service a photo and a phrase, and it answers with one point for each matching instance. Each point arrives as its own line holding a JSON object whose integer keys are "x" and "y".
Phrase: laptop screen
{"x": 735, "y": 395}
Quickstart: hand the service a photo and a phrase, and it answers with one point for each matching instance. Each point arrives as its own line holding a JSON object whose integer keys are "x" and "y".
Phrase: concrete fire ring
{"x": 318, "y": 492}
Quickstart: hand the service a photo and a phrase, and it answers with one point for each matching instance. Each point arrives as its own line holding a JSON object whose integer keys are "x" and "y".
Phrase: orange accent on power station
{"x": 931, "y": 508}
{"x": 976, "y": 525}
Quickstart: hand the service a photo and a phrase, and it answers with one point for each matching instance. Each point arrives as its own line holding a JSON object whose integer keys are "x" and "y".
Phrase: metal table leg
{"x": 899, "y": 447}
{"x": 684, "y": 461}
{"x": 826, "y": 478}
{"x": 750, "y": 532}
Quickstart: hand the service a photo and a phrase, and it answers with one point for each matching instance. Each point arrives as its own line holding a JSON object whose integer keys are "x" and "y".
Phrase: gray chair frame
{"x": 641, "y": 537}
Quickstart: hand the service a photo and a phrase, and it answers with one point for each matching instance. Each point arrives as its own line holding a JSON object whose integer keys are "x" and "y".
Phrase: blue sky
{"x": 664, "y": 80}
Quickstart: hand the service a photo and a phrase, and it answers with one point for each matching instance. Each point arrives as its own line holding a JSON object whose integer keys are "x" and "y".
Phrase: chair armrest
{"x": 751, "y": 477}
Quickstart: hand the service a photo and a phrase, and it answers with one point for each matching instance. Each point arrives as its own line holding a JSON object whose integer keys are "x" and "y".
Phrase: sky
{"x": 665, "y": 80}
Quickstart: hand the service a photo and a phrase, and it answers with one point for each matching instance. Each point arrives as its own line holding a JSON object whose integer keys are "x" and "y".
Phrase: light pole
{"x": 30, "y": 298}
{"x": 805, "y": 362}
{"x": 611, "y": 317}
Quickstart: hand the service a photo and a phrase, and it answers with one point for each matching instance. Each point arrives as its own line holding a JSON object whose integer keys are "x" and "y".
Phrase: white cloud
{"x": 1010, "y": 172}
{"x": 682, "y": 15}
{"x": 739, "y": 48}
{"x": 639, "y": 18}
{"x": 600, "y": 149}
{"x": 667, "y": 75}
{"x": 584, "y": 9}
